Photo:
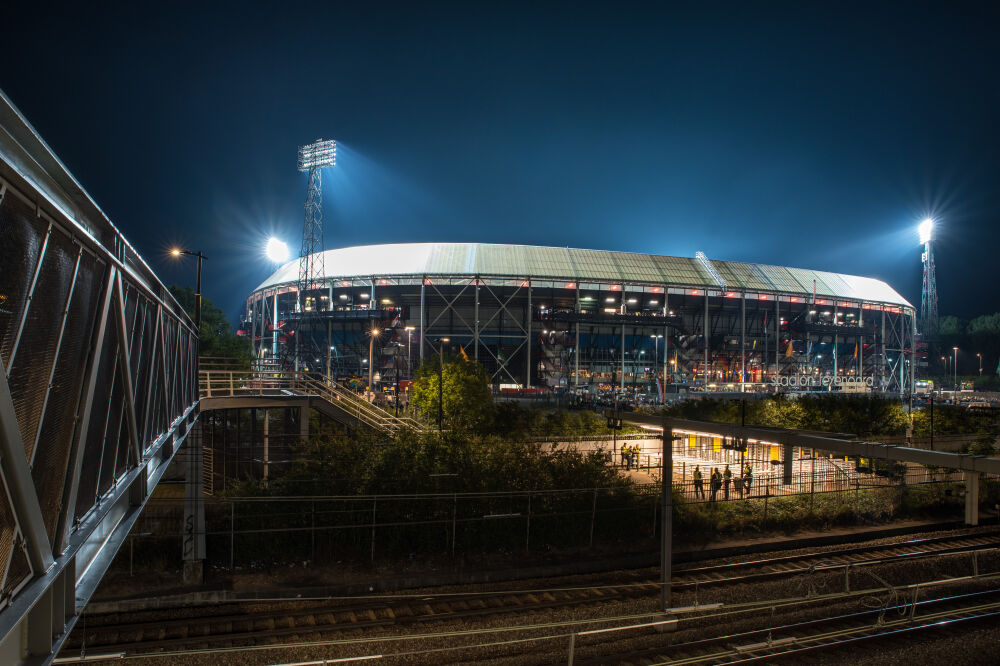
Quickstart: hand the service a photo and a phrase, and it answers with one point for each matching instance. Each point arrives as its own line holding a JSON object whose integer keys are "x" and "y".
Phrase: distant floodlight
{"x": 276, "y": 250}
{"x": 926, "y": 230}
{"x": 317, "y": 155}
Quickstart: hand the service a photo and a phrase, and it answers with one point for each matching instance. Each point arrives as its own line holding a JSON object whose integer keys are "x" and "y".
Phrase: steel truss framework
{"x": 97, "y": 392}
{"x": 536, "y": 331}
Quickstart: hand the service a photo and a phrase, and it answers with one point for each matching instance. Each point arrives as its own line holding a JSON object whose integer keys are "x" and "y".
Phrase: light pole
{"x": 409, "y": 343}
{"x": 954, "y": 367}
{"x": 178, "y": 252}
{"x": 656, "y": 342}
{"x": 371, "y": 362}
{"x": 441, "y": 343}
{"x": 980, "y": 356}
{"x": 277, "y": 252}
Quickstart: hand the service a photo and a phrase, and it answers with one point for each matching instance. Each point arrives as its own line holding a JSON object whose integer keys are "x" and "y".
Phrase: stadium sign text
{"x": 802, "y": 381}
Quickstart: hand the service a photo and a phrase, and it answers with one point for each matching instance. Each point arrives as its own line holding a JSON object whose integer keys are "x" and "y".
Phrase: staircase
{"x": 332, "y": 399}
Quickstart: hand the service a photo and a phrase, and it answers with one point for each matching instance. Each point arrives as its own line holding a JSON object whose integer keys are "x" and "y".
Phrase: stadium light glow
{"x": 317, "y": 155}
{"x": 276, "y": 250}
{"x": 926, "y": 230}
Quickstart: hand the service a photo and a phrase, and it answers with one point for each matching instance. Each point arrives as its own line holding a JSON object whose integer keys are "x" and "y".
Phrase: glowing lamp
{"x": 926, "y": 230}
{"x": 276, "y": 250}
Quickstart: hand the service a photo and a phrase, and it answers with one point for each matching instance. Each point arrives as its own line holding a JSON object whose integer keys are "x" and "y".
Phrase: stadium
{"x": 563, "y": 318}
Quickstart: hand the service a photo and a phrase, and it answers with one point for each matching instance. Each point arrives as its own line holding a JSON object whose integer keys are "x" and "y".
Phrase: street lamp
{"x": 954, "y": 367}
{"x": 656, "y": 342}
{"x": 980, "y": 356}
{"x": 178, "y": 252}
{"x": 441, "y": 343}
{"x": 374, "y": 333}
{"x": 409, "y": 343}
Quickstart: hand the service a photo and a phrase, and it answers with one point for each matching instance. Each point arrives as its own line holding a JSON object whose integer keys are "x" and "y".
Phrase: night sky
{"x": 801, "y": 134}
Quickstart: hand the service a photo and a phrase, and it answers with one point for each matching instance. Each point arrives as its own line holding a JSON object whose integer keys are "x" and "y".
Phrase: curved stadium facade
{"x": 562, "y": 317}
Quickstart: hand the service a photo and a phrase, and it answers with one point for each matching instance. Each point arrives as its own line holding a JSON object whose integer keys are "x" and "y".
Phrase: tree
{"x": 467, "y": 399}
{"x": 217, "y": 336}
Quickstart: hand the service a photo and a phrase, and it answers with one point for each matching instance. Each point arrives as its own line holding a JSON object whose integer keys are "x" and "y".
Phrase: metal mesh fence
{"x": 35, "y": 352}
{"x": 59, "y": 423}
{"x": 23, "y": 235}
{"x": 94, "y": 442}
{"x": 253, "y": 532}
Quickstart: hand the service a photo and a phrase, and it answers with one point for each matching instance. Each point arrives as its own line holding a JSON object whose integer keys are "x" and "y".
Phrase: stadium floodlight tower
{"x": 312, "y": 158}
{"x": 928, "y": 294}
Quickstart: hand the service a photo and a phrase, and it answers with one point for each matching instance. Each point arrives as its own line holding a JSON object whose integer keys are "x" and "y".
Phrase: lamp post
{"x": 409, "y": 343}
{"x": 194, "y": 499}
{"x": 178, "y": 252}
{"x": 277, "y": 252}
{"x": 656, "y": 342}
{"x": 980, "y": 356}
{"x": 441, "y": 343}
{"x": 954, "y": 367}
{"x": 371, "y": 362}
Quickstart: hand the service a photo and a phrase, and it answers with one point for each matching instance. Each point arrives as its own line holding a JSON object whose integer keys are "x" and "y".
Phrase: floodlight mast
{"x": 312, "y": 158}
{"x": 928, "y": 293}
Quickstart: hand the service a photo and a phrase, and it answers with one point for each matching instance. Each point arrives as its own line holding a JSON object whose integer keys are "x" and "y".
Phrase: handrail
{"x": 230, "y": 383}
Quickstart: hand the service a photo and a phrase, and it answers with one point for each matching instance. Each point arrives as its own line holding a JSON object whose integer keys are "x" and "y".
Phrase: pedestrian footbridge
{"x": 99, "y": 389}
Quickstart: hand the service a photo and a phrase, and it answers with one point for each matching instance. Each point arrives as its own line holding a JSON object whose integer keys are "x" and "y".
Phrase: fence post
{"x": 527, "y": 530}
{"x": 454, "y": 522}
{"x": 232, "y": 535}
{"x": 767, "y": 494}
{"x": 231, "y": 390}
{"x": 812, "y": 488}
{"x": 374, "y": 502}
{"x": 593, "y": 517}
{"x": 572, "y": 649}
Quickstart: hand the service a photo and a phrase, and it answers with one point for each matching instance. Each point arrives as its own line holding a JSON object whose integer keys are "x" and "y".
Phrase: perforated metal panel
{"x": 23, "y": 234}
{"x": 101, "y": 411}
{"x": 8, "y": 532}
{"x": 33, "y": 358}
{"x": 58, "y": 424}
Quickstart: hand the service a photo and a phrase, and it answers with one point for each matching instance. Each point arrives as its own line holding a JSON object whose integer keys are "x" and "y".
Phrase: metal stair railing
{"x": 234, "y": 383}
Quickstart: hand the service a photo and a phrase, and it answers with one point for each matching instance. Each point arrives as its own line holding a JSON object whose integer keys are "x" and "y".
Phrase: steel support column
{"x": 420, "y": 335}
{"x": 777, "y": 341}
{"x": 475, "y": 316}
{"x": 576, "y": 348}
{"x": 527, "y": 374}
{"x": 666, "y": 516}
{"x": 743, "y": 342}
{"x": 705, "y": 387}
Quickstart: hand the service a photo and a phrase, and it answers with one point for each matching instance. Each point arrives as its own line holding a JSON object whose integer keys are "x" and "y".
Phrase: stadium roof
{"x": 488, "y": 259}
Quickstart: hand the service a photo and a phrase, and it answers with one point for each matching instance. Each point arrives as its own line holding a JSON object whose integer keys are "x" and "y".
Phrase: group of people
{"x": 721, "y": 481}
{"x": 630, "y": 456}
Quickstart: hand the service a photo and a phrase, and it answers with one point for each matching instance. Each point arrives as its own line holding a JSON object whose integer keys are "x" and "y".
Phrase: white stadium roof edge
{"x": 495, "y": 260}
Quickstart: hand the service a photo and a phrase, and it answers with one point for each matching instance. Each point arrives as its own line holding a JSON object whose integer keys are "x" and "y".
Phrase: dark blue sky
{"x": 802, "y": 134}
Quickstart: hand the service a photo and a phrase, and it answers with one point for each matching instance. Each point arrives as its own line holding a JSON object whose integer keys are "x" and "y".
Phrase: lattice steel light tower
{"x": 313, "y": 158}
{"x": 928, "y": 294}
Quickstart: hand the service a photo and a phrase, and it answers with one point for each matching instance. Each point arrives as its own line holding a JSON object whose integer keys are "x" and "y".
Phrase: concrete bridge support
{"x": 194, "y": 510}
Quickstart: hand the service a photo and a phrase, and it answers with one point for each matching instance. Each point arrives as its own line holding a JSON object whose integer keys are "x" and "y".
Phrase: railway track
{"x": 794, "y": 641}
{"x": 258, "y": 623}
{"x": 787, "y": 565}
